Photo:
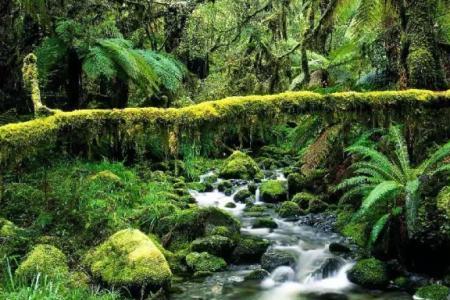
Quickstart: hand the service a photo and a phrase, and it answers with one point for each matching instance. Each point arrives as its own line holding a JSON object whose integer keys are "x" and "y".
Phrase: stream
{"x": 318, "y": 274}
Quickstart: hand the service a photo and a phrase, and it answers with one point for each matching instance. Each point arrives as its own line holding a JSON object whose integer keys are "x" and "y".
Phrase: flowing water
{"x": 318, "y": 274}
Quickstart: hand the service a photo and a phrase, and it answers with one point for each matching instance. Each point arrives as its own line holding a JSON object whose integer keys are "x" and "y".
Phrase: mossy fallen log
{"x": 144, "y": 130}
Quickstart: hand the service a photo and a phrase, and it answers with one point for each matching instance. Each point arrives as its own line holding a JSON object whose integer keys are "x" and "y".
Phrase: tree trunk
{"x": 120, "y": 93}
{"x": 74, "y": 80}
{"x": 422, "y": 64}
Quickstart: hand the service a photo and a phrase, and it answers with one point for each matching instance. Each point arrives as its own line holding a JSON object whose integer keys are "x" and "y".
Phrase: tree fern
{"x": 377, "y": 179}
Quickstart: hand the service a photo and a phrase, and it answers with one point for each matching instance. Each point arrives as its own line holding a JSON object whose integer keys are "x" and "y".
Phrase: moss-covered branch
{"x": 139, "y": 129}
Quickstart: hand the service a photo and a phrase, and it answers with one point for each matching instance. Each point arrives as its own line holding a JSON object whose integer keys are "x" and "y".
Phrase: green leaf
{"x": 378, "y": 228}
{"x": 379, "y": 193}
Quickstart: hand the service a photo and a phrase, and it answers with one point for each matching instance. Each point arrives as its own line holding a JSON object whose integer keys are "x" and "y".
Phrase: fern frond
{"x": 401, "y": 151}
{"x": 378, "y": 228}
{"x": 372, "y": 169}
{"x": 97, "y": 63}
{"x": 379, "y": 193}
{"x": 354, "y": 181}
{"x": 412, "y": 205}
{"x": 361, "y": 190}
{"x": 377, "y": 158}
{"x": 435, "y": 158}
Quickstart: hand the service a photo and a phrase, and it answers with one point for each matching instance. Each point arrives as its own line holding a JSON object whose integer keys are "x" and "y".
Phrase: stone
{"x": 369, "y": 273}
{"x": 240, "y": 166}
{"x": 274, "y": 258}
{"x": 273, "y": 191}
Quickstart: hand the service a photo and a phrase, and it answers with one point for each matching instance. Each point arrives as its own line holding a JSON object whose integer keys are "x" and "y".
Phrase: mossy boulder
{"x": 357, "y": 232}
{"x": 181, "y": 228}
{"x": 242, "y": 195}
{"x": 288, "y": 209}
{"x": 317, "y": 206}
{"x": 265, "y": 222}
{"x": 273, "y": 191}
{"x": 46, "y": 260}
{"x": 130, "y": 259}
{"x": 240, "y": 166}
{"x": 258, "y": 274}
{"x": 433, "y": 292}
{"x": 249, "y": 249}
{"x": 224, "y": 185}
{"x": 215, "y": 244}
{"x": 369, "y": 273}
{"x": 13, "y": 239}
{"x": 203, "y": 263}
{"x": 303, "y": 199}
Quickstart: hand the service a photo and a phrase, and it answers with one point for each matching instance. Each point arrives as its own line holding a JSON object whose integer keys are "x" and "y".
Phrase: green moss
{"x": 358, "y": 232}
{"x": 147, "y": 130}
{"x": 107, "y": 176}
{"x": 205, "y": 262}
{"x": 273, "y": 191}
{"x": 317, "y": 206}
{"x": 265, "y": 223}
{"x": 370, "y": 273}
{"x": 214, "y": 244}
{"x": 433, "y": 292}
{"x": 129, "y": 258}
{"x": 443, "y": 201}
{"x": 240, "y": 166}
{"x": 242, "y": 195}
{"x": 288, "y": 209}
{"x": 46, "y": 260}
{"x": 303, "y": 199}
{"x": 249, "y": 249}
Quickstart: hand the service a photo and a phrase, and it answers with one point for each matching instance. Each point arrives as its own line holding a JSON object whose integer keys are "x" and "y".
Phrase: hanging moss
{"x": 156, "y": 132}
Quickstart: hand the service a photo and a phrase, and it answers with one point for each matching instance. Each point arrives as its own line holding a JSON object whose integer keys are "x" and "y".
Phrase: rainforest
{"x": 225, "y": 149}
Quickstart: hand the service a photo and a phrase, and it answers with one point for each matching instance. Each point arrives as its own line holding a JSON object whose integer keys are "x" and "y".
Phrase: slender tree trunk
{"x": 120, "y": 93}
{"x": 74, "y": 81}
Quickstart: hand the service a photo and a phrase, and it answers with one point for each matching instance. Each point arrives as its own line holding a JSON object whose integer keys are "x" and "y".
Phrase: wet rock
{"x": 258, "y": 274}
{"x": 324, "y": 222}
{"x": 224, "y": 185}
{"x": 317, "y": 206}
{"x": 249, "y": 249}
{"x": 230, "y": 205}
{"x": 289, "y": 209}
{"x": 273, "y": 191}
{"x": 338, "y": 248}
{"x": 265, "y": 223}
{"x": 369, "y": 273}
{"x": 215, "y": 244}
{"x": 304, "y": 199}
{"x": 329, "y": 296}
{"x": 274, "y": 258}
{"x": 252, "y": 187}
{"x": 329, "y": 267}
{"x": 242, "y": 195}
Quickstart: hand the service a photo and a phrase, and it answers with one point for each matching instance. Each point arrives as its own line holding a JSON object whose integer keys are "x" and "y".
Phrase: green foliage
{"x": 43, "y": 288}
{"x": 205, "y": 262}
{"x": 240, "y": 166}
{"x": 433, "y": 292}
{"x": 390, "y": 179}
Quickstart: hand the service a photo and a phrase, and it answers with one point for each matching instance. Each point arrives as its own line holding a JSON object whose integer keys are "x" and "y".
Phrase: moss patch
{"x": 433, "y": 292}
{"x": 240, "y": 166}
{"x": 370, "y": 273}
{"x": 46, "y": 260}
{"x": 129, "y": 258}
{"x": 273, "y": 191}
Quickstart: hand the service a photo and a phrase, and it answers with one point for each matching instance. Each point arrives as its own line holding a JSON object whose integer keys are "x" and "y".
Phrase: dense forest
{"x": 225, "y": 149}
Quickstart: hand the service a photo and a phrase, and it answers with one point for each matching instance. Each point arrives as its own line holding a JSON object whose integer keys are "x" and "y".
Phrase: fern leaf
{"x": 378, "y": 228}
{"x": 379, "y": 159}
{"x": 379, "y": 193}
{"x": 412, "y": 205}
{"x": 435, "y": 158}
{"x": 401, "y": 151}
{"x": 354, "y": 181}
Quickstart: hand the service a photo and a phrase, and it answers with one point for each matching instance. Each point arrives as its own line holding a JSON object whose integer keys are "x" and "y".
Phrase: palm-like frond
{"x": 378, "y": 228}
{"x": 378, "y": 158}
{"x": 367, "y": 17}
{"x": 434, "y": 159}
{"x": 372, "y": 169}
{"x": 356, "y": 181}
{"x": 379, "y": 193}
{"x": 97, "y": 64}
{"x": 360, "y": 190}
{"x": 169, "y": 70}
{"x": 131, "y": 63}
{"x": 401, "y": 151}
{"x": 412, "y": 204}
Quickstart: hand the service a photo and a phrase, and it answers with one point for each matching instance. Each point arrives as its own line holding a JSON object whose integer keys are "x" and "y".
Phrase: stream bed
{"x": 317, "y": 275}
